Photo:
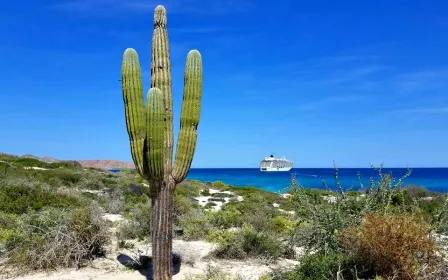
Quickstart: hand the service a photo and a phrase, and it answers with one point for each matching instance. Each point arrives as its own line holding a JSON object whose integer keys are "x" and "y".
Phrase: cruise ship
{"x": 275, "y": 164}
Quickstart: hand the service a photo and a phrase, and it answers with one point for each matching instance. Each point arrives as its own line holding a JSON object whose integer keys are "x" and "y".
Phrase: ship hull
{"x": 275, "y": 169}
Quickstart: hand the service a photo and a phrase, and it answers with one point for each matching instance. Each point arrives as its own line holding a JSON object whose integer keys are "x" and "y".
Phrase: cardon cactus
{"x": 150, "y": 132}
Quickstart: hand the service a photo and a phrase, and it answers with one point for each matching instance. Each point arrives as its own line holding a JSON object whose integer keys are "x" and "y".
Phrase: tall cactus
{"x": 150, "y": 132}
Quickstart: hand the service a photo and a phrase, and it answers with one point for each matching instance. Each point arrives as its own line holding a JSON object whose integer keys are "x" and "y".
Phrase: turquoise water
{"x": 435, "y": 179}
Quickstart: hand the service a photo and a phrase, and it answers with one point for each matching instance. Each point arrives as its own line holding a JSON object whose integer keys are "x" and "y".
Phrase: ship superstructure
{"x": 275, "y": 164}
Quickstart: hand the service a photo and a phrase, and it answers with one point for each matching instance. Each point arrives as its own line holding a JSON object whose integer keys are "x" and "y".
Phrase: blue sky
{"x": 357, "y": 82}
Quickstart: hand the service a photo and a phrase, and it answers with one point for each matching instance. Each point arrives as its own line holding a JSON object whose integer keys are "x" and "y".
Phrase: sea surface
{"x": 434, "y": 179}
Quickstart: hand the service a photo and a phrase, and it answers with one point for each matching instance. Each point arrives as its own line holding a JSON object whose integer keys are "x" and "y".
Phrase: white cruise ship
{"x": 275, "y": 164}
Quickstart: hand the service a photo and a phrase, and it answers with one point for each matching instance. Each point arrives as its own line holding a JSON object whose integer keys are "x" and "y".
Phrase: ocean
{"x": 434, "y": 179}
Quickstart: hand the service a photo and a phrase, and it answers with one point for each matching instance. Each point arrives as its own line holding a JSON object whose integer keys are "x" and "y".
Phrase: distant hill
{"x": 99, "y": 164}
{"x": 44, "y": 159}
{"x": 106, "y": 164}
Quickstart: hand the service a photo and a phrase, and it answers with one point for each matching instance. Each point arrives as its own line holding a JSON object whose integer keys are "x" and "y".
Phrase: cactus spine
{"x": 150, "y": 132}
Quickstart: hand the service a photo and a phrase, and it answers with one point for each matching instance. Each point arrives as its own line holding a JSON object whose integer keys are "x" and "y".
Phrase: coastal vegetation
{"x": 67, "y": 217}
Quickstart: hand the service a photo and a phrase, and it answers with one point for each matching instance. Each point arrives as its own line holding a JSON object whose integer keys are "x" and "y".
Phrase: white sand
{"x": 193, "y": 262}
{"x": 203, "y": 200}
{"x": 35, "y": 168}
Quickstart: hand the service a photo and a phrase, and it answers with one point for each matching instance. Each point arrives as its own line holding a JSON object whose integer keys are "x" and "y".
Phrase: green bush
{"x": 243, "y": 243}
{"x": 205, "y": 192}
{"x": 283, "y": 225}
{"x": 219, "y": 185}
{"x": 222, "y": 195}
{"x": 8, "y": 158}
{"x": 254, "y": 211}
{"x": 66, "y": 176}
{"x": 183, "y": 204}
{"x": 66, "y": 164}
{"x": 135, "y": 194}
{"x": 19, "y": 200}
{"x": 189, "y": 188}
{"x": 138, "y": 224}
{"x": 226, "y": 218}
{"x": 195, "y": 225}
{"x": 333, "y": 265}
{"x": 31, "y": 162}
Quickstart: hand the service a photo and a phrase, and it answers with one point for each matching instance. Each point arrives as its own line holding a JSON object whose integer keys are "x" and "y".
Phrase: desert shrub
{"x": 66, "y": 164}
{"x": 90, "y": 183}
{"x": 18, "y": 181}
{"x": 334, "y": 265}
{"x": 67, "y": 177}
{"x": 322, "y": 221}
{"x": 210, "y": 205}
{"x": 205, "y": 192}
{"x": 7, "y": 157}
{"x": 243, "y": 243}
{"x": 414, "y": 191}
{"x": 114, "y": 201}
{"x": 21, "y": 199}
{"x": 135, "y": 194}
{"x": 391, "y": 245}
{"x": 31, "y": 162}
{"x": 320, "y": 232}
{"x": 230, "y": 244}
{"x": 183, "y": 204}
{"x": 219, "y": 185}
{"x": 283, "y": 225}
{"x": 108, "y": 181}
{"x": 213, "y": 273}
{"x": 4, "y": 166}
{"x": 222, "y": 195}
{"x": 189, "y": 188}
{"x": 138, "y": 224}
{"x": 8, "y": 221}
{"x": 195, "y": 225}
{"x": 54, "y": 238}
{"x": 440, "y": 219}
{"x": 431, "y": 207}
{"x": 226, "y": 218}
{"x": 254, "y": 210}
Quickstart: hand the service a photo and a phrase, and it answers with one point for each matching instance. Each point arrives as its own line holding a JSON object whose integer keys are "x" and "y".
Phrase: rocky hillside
{"x": 106, "y": 164}
{"x": 44, "y": 159}
{"x": 99, "y": 164}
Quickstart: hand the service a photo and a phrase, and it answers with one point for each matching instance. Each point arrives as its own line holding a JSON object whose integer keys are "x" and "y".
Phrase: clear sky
{"x": 357, "y": 82}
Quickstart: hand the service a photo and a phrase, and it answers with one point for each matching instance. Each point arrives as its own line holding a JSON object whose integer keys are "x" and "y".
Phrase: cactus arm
{"x": 161, "y": 77}
{"x": 131, "y": 82}
{"x": 190, "y": 115}
{"x": 155, "y": 132}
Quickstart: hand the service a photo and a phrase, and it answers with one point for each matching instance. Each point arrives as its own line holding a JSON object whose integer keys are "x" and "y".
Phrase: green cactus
{"x": 150, "y": 132}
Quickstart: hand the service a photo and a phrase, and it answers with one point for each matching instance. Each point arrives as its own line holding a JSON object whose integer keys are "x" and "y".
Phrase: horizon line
{"x": 401, "y": 167}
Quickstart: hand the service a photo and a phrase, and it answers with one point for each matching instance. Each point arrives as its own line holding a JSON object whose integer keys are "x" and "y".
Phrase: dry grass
{"x": 392, "y": 246}
{"x": 54, "y": 239}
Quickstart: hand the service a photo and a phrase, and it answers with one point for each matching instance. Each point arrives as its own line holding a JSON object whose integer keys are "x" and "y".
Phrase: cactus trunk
{"x": 161, "y": 77}
{"x": 162, "y": 202}
{"x": 150, "y": 133}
